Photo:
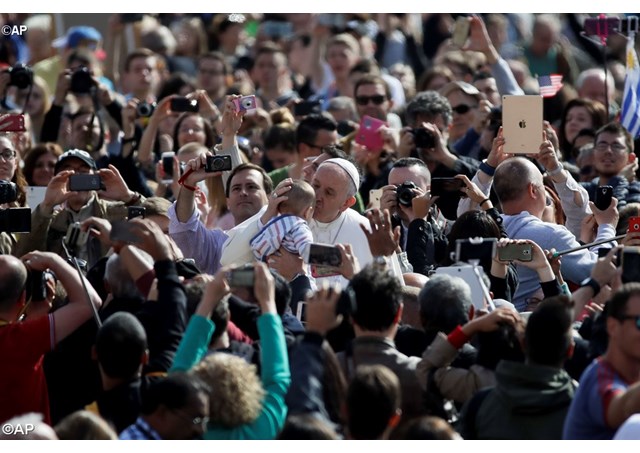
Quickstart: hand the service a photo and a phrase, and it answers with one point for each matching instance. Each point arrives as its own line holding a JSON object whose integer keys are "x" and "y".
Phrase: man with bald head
{"x": 23, "y": 342}
{"x": 519, "y": 186}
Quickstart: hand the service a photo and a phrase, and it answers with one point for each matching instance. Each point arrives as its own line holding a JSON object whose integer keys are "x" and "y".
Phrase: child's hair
{"x": 300, "y": 197}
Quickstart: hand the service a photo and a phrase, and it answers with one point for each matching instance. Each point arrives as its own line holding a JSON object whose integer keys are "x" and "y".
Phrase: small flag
{"x": 630, "y": 109}
{"x": 550, "y": 85}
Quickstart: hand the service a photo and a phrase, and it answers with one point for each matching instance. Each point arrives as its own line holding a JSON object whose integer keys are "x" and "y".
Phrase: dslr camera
{"x": 145, "y": 109}
{"x": 81, "y": 81}
{"x": 217, "y": 163}
{"x": 8, "y": 192}
{"x": 405, "y": 193}
{"x": 245, "y": 103}
{"x": 21, "y": 76}
{"x": 423, "y": 138}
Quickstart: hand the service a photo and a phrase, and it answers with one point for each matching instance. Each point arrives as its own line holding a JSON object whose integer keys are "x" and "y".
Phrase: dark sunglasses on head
{"x": 364, "y": 100}
{"x": 462, "y": 109}
{"x": 636, "y": 319}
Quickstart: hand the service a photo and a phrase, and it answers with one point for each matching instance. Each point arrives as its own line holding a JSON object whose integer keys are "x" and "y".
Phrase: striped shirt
{"x": 287, "y": 230}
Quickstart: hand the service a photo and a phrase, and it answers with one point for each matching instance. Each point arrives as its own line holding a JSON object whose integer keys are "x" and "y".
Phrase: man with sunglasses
{"x": 609, "y": 391}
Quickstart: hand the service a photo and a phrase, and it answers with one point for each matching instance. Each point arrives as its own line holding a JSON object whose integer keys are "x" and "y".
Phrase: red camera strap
{"x": 182, "y": 179}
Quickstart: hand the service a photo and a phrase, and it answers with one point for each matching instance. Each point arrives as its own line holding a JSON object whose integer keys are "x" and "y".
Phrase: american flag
{"x": 550, "y": 85}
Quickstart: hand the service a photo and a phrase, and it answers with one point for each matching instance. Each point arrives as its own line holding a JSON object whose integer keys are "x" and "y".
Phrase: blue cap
{"x": 75, "y": 35}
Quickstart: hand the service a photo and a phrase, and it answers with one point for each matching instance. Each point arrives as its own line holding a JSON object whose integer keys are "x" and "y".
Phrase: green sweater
{"x": 275, "y": 375}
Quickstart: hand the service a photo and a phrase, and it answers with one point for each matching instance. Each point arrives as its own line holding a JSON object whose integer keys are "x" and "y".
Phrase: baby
{"x": 290, "y": 229}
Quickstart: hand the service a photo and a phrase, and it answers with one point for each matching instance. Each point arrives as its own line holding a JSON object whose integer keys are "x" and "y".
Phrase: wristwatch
{"x": 592, "y": 284}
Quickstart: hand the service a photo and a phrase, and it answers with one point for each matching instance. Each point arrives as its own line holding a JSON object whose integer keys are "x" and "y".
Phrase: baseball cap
{"x": 78, "y": 154}
{"x": 75, "y": 35}
{"x": 465, "y": 87}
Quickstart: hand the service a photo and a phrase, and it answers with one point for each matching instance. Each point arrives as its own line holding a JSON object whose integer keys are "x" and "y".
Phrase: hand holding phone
{"x": 12, "y": 122}
{"x": 184, "y": 104}
{"x": 80, "y": 182}
{"x": 441, "y": 185}
{"x": 369, "y": 133}
{"x": 603, "y": 197}
{"x": 167, "y": 166}
{"x": 460, "y": 31}
{"x": 634, "y": 225}
{"x": 515, "y": 252}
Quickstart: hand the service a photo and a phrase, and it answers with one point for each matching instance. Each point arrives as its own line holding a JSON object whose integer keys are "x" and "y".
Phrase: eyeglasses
{"x": 8, "y": 154}
{"x": 462, "y": 108}
{"x": 635, "y": 318}
{"x": 615, "y": 147}
{"x": 195, "y": 421}
{"x": 377, "y": 99}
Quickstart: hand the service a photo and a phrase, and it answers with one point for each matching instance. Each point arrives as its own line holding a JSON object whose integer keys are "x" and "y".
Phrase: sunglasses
{"x": 635, "y": 318}
{"x": 462, "y": 108}
{"x": 377, "y": 99}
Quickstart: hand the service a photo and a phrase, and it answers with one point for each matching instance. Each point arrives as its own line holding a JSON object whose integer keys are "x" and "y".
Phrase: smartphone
{"x": 603, "y": 251}
{"x": 305, "y": 108}
{"x": 345, "y": 128}
{"x": 12, "y": 122}
{"x": 167, "y": 166}
{"x": 36, "y": 285}
{"x": 301, "y": 311}
{"x": 375, "y": 195}
{"x": 369, "y": 133}
{"x": 631, "y": 264}
{"x": 603, "y": 197}
{"x": 513, "y": 252}
{"x": 634, "y": 224}
{"x": 184, "y": 104}
{"x": 442, "y": 185}
{"x": 84, "y": 182}
{"x": 15, "y": 220}
{"x": 476, "y": 249}
{"x": 277, "y": 29}
{"x": 460, "y": 31}
{"x": 324, "y": 255}
{"x": 135, "y": 211}
{"x": 123, "y": 231}
{"x": 241, "y": 278}
{"x": 601, "y": 26}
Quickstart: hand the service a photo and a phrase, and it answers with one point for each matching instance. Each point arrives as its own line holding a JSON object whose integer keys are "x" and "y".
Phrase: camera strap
{"x": 183, "y": 178}
{"x": 74, "y": 260}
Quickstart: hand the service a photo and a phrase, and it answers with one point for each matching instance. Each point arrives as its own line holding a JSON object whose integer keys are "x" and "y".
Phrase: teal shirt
{"x": 275, "y": 375}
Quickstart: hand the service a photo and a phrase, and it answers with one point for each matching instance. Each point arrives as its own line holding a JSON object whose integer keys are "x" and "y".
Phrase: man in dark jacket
{"x": 531, "y": 399}
{"x": 613, "y": 156}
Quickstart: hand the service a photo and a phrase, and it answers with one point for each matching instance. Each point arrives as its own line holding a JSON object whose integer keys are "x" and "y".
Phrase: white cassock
{"x": 345, "y": 229}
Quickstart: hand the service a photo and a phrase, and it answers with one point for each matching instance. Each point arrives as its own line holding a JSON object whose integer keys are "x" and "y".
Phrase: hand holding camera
{"x": 100, "y": 228}
{"x": 57, "y": 192}
{"x": 491, "y": 321}
{"x": 231, "y": 117}
{"x": 114, "y": 186}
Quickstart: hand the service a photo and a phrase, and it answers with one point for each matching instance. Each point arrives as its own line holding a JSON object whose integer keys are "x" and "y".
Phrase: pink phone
{"x": 12, "y": 122}
{"x": 369, "y": 133}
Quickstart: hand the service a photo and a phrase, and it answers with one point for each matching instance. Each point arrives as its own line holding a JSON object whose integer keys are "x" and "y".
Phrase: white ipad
{"x": 35, "y": 196}
{"x": 522, "y": 124}
{"x": 469, "y": 275}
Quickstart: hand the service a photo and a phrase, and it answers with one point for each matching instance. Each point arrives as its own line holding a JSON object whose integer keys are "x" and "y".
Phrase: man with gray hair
{"x": 519, "y": 186}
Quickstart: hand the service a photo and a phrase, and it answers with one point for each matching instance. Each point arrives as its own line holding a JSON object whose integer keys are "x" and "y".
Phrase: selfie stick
{"x": 74, "y": 260}
{"x": 587, "y": 246}
{"x": 485, "y": 291}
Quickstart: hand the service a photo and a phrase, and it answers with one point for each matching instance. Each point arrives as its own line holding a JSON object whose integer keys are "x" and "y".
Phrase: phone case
{"x": 634, "y": 224}
{"x": 369, "y": 135}
{"x": 374, "y": 198}
{"x": 603, "y": 197}
{"x": 460, "y": 32}
{"x": 12, "y": 122}
{"x": 512, "y": 252}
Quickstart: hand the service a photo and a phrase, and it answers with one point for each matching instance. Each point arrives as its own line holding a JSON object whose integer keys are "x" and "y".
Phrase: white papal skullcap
{"x": 347, "y": 166}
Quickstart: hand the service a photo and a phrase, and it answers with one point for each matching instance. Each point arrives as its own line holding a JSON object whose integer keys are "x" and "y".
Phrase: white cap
{"x": 347, "y": 166}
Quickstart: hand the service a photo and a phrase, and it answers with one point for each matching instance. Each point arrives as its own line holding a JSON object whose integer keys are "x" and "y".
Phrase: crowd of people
{"x": 306, "y": 226}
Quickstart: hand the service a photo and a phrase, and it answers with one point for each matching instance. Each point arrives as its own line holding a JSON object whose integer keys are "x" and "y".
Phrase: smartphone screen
{"x": 481, "y": 250}
{"x": 167, "y": 166}
{"x": 324, "y": 255}
{"x": 241, "y": 278}
{"x": 631, "y": 264}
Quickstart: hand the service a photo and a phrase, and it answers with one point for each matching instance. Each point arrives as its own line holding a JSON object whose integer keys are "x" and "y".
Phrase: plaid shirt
{"x": 140, "y": 430}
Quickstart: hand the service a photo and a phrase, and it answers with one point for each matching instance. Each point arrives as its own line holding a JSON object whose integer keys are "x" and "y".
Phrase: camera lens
{"x": 20, "y": 76}
{"x": 145, "y": 109}
{"x": 405, "y": 194}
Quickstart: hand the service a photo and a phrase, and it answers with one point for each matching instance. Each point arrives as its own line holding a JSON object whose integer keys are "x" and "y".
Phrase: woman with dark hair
{"x": 579, "y": 114}
{"x": 40, "y": 163}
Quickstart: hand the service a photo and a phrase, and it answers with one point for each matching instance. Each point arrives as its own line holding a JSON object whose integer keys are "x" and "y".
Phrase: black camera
{"x": 21, "y": 76}
{"x": 405, "y": 193}
{"x": 15, "y": 220}
{"x": 8, "y": 192}
{"x": 423, "y": 138}
{"x": 145, "y": 109}
{"x": 217, "y": 163}
{"x": 81, "y": 81}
